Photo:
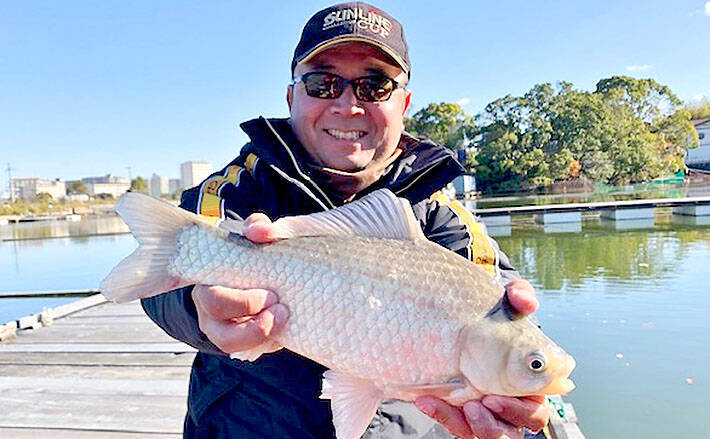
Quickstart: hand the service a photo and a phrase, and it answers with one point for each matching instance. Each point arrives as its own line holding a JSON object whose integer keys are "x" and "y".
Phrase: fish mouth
{"x": 559, "y": 386}
{"x": 560, "y": 369}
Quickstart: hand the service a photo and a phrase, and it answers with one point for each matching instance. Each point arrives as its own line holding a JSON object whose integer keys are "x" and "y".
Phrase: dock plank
{"x": 58, "y": 433}
{"x": 167, "y": 347}
{"x": 145, "y": 332}
{"x": 101, "y": 371}
{"x": 121, "y": 359}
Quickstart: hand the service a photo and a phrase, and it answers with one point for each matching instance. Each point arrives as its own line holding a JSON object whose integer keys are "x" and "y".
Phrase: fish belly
{"x": 386, "y": 310}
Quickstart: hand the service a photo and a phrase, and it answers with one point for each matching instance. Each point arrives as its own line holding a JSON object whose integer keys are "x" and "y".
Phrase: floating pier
{"x": 563, "y": 421}
{"x": 635, "y": 213}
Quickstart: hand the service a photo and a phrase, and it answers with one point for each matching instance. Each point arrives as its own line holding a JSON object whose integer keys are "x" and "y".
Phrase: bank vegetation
{"x": 626, "y": 131}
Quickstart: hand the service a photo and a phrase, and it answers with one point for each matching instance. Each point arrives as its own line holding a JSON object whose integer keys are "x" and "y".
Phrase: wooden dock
{"x": 98, "y": 370}
{"x": 92, "y": 369}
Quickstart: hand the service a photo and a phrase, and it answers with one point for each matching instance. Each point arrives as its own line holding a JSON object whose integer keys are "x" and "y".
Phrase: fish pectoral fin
{"x": 253, "y": 354}
{"x": 353, "y": 401}
{"x": 440, "y": 390}
{"x": 380, "y": 214}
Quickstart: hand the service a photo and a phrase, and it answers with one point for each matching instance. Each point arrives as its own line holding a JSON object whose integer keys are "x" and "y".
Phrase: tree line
{"x": 627, "y": 130}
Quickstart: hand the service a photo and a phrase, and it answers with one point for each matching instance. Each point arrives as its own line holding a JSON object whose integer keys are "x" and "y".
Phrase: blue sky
{"x": 90, "y": 88}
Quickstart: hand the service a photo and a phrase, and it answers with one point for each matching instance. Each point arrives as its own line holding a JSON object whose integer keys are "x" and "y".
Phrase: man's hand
{"x": 494, "y": 417}
{"x": 237, "y": 320}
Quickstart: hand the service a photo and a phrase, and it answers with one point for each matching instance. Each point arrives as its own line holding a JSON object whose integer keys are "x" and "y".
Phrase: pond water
{"x": 631, "y": 306}
{"x": 57, "y": 256}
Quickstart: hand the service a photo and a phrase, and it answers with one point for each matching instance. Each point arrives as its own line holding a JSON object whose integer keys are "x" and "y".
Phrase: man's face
{"x": 345, "y": 133}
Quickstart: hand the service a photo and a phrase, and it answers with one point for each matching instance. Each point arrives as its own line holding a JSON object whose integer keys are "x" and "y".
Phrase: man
{"x": 344, "y": 138}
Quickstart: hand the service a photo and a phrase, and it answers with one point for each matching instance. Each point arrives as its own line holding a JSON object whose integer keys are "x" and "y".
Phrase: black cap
{"x": 355, "y": 21}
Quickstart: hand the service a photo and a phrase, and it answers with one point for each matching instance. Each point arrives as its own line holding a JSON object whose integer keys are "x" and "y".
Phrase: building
{"x": 174, "y": 185}
{"x": 159, "y": 185}
{"x": 106, "y": 185}
{"x": 700, "y": 157}
{"x": 193, "y": 173}
{"x": 30, "y": 188}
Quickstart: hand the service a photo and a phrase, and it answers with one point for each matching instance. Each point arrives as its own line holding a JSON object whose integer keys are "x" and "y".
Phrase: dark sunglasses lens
{"x": 374, "y": 89}
{"x": 323, "y": 85}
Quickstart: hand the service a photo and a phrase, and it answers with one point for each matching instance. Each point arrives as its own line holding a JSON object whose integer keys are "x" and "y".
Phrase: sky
{"x": 89, "y": 88}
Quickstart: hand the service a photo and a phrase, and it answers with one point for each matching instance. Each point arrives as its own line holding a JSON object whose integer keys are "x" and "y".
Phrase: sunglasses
{"x": 321, "y": 85}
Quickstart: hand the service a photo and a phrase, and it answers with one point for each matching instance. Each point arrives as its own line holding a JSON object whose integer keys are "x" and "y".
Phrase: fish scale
{"x": 347, "y": 320}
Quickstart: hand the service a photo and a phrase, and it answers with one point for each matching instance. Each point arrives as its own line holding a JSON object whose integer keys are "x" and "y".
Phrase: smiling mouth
{"x": 345, "y": 135}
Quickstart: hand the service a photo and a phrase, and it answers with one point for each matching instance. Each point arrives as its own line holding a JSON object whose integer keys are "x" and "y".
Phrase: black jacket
{"x": 277, "y": 395}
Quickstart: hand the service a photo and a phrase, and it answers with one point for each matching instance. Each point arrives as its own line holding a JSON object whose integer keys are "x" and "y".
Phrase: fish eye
{"x": 537, "y": 362}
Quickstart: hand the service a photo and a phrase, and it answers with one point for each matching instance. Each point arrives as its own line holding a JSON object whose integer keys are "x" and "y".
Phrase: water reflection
{"x": 558, "y": 261}
{"x": 61, "y": 255}
{"x": 53, "y": 229}
{"x": 683, "y": 220}
{"x": 628, "y": 224}
{"x": 573, "y": 227}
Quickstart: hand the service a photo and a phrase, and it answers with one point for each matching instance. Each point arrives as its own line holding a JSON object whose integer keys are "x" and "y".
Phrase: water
{"x": 40, "y": 257}
{"x": 631, "y": 306}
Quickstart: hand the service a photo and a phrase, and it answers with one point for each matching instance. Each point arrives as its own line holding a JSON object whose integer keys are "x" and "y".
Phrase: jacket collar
{"x": 410, "y": 176}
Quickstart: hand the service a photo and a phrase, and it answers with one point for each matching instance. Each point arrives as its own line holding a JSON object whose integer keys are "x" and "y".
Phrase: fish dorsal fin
{"x": 231, "y": 225}
{"x": 353, "y": 401}
{"x": 377, "y": 215}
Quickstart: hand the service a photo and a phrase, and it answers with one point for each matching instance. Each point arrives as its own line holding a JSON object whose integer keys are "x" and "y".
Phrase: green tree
{"x": 647, "y": 98}
{"x": 139, "y": 184}
{"x": 77, "y": 187}
{"x": 699, "y": 111}
{"x": 445, "y": 124}
{"x": 627, "y": 130}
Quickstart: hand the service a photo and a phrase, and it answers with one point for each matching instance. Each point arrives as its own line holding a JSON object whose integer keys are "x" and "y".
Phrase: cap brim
{"x": 355, "y": 39}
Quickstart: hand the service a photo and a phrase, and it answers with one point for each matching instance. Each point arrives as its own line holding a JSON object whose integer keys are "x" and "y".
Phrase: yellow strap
{"x": 250, "y": 162}
{"x": 210, "y": 203}
{"x": 482, "y": 251}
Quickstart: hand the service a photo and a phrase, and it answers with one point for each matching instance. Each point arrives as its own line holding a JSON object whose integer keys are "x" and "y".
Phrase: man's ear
{"x": 289, "y": 96}
{"x": 407, "y": 101}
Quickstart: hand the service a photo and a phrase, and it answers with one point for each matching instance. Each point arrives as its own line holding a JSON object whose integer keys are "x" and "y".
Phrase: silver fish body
{"x": 391, "y": 314}
{"x": 388, "y": 310}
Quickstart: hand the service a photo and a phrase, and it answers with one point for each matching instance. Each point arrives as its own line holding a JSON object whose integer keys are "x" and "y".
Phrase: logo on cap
{"x": 367, "y": 20}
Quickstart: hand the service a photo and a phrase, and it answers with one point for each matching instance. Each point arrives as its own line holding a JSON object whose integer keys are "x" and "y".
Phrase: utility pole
{"x": 9, "y": 183}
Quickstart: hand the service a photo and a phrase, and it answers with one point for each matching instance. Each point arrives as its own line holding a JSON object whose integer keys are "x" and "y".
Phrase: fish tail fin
{"x": 155, "y": 224}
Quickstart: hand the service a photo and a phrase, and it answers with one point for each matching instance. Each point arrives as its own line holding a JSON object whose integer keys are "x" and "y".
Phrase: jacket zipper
{"x": 300, "y": 173}
{"x": 418, "y": 177}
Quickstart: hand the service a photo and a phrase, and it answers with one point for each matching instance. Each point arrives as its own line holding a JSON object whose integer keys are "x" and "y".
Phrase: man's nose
{"x": 347, "y": 104}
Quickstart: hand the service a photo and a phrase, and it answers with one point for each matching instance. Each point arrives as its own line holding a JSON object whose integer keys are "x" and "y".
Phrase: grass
{"x": 45, "y": 207}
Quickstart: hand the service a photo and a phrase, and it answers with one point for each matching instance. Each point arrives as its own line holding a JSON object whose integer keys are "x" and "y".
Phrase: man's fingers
{"x": 532, "y": 412}
{"x": 484, "y": 426}
{"x": 232, "y": 336}
{"x": 521, "y": 295}
{"x": 450, "y": 417}
{"x": 223, "y": 303}
{"x": 258, "y": 228}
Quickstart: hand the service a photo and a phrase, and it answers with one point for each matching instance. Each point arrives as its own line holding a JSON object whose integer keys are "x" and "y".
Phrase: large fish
{"x": 391, "y": 314}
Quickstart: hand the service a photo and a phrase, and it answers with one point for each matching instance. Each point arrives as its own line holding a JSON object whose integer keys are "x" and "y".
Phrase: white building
{"x": 700, "y": 157}
{"x": 107, "y": 185}
{"x": 174, "y": 185}
{"x": 30, "y": 188}
{"x": 159, "y": 185}
{"x": 193, "y": 173}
